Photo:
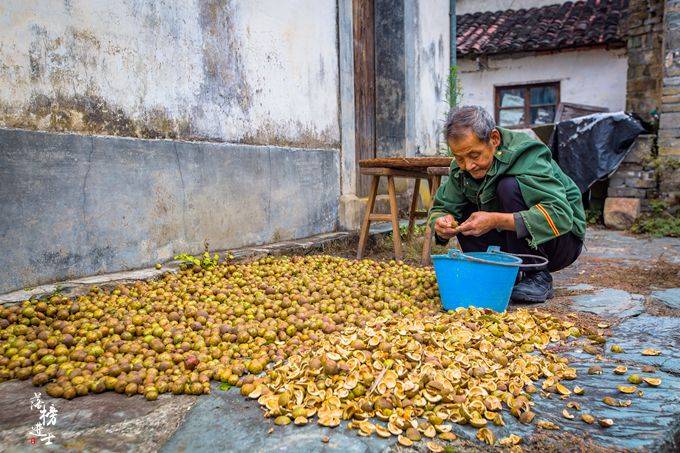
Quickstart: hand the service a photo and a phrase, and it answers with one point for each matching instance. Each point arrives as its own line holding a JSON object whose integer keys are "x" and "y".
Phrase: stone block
{"x": 616, "y": 182}
{"x": 641, "y": 149}
{"x": 669, "y": 120}
{"x": 647, "y": 180}
{"x": 626, "y": 192}
{"x": 669, "y": 176}
{"x": 620, "y": 213}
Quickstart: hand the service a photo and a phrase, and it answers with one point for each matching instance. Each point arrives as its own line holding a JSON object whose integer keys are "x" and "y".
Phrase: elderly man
{"x": 505, "y": 189}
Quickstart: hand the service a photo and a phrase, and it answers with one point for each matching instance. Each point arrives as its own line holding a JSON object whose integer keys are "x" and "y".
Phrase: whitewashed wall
{"x": 432, "y": 72}
{"x": 222, "y": 70}
{"x": 473, "y": 6}
{"x": 592, "y": 77}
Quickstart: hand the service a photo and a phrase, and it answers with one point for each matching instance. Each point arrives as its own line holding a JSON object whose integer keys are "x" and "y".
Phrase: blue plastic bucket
{"x": 478, "y": 279}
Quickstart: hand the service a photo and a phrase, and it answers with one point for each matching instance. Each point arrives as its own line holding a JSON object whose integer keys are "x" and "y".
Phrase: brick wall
{"x": 645, "y": 34}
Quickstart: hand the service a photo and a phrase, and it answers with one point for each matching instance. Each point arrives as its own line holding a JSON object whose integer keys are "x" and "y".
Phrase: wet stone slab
{"x": 646, "y": 331}
{"x": 610, "y": 302}
{"x": 670, "y": 298}
{"x": 226, "y": 421}
{"x": 105, "y": 422}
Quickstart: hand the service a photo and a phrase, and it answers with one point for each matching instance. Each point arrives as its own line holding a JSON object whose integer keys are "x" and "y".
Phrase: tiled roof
{"x": 562, "y": 26}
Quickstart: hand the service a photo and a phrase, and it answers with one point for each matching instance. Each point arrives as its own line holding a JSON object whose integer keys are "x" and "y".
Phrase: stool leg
{"x": 363, "y": 234}
{"x": 394, "y": 213}
{"x": 427, "y": 245}
{"x": 412, "y": 210}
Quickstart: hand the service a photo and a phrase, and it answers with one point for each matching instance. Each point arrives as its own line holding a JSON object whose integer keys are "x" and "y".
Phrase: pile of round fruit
{"x": 308, "y": 336}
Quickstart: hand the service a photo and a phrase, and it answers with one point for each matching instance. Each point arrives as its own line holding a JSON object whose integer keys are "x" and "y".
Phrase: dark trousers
{"x": 560, "y": 252}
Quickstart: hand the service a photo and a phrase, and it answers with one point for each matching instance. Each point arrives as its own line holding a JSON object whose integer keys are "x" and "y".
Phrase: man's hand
{"x": 446, "y": 227}
{"x": 479, "y": 223}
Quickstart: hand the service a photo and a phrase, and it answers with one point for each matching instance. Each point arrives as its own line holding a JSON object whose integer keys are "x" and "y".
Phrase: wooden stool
{"x": 393, "y": 216}
{"x": 435, "y": 178}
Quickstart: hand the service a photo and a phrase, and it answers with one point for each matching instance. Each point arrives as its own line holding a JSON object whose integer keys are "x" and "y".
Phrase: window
{"x": 527, "y": 105}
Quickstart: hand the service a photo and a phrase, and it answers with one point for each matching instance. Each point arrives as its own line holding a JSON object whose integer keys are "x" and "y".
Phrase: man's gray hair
{"x": 462, "y": 120}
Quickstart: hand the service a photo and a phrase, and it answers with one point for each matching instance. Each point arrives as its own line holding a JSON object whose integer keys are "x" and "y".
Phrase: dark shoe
{"x": 535, "y": 287}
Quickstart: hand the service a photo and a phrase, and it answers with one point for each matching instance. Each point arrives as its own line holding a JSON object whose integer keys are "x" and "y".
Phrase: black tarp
{"x": 590, "y": 148}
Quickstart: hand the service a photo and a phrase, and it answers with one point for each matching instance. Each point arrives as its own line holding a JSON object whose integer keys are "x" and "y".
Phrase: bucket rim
{"x": 516, "y": 261}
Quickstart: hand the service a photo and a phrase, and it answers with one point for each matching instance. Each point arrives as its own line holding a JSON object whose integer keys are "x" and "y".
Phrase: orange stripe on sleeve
{"x": 549, "y": 219}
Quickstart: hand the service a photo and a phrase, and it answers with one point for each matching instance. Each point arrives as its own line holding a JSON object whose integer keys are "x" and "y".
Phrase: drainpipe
{"x": 452, "y": 52}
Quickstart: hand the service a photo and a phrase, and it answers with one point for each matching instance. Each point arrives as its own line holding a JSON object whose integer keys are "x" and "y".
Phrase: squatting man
{"x": 505, "y": 189}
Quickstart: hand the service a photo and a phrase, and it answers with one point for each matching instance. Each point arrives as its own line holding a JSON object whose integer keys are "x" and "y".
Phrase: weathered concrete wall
{"x": 592, "y": 77}
{"x": 74, "y": 205}
{"x": 223, "y": 70}
{"x": 432, "y": 74}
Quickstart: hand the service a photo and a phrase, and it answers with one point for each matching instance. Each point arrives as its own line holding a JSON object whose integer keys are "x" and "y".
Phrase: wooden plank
{"x": 363, "y": 234}
{"x": 381, "y": 217}
{"x": 394, "y": 212}
{"x": 393, "y": 172}
{"x": 438, "y": 171}
{"x": 364, "y": 86}
{"x": 407, "y": 163}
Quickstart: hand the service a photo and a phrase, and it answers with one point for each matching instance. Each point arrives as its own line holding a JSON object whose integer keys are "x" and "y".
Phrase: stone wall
{"x": 633, "y": 185}
{"x": 645, "y": 30}
{"x": 669, "y": 124}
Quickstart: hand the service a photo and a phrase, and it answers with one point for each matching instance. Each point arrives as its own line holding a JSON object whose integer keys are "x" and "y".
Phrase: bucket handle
{"x": 541, "y": 263}
{"x": 455, "y": 253}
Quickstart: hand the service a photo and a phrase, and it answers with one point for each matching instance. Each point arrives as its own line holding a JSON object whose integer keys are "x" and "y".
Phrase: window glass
{"x": 512, "y": 98}
{"x": 543, "y": 95}
{"x": 511, "y": 117}
{"x": 542, "y": 115}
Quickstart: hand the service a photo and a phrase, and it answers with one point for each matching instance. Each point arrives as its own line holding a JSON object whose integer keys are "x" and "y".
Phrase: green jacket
{"x": 554, "y": 201}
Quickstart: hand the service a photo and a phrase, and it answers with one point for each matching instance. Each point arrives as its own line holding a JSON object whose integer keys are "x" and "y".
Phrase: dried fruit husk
{"x": 626, "y": 388}
{"x": 405, "y": 441}
{"x": 606, "y": 422}
{"x": 526, "y": 417}
{"x": 413, "y": 434}
{"x": 616, "y": 349}
{"x": 486, "y": 435}
{"x": 562, "y": 390}
{"x": 382, "y": 431}
{"x": 544, "y": 424}
{"x": 588, "y": 418}
{"x": 567, "y": 415}
{"x": 574, "y": 405}
{"x": 609, "y": 401}
{"x": 621, "y": 369}
{"x": 590, "y": 349}
{"x": 654, "y": 382}
{"x": 651, "y": 352}
{"x": 512, "y": 439}
{"x": 579, "y": 390}
{"x": 595, "y": 369}
{"x": 448, "y": 436}
{"x": 434, "y": 447}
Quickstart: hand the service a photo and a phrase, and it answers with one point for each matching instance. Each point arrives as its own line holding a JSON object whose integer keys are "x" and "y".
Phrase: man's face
{"x": 473, "y": 155}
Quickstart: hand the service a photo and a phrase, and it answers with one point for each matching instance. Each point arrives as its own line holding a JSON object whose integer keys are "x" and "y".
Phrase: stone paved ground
{"x": 630, "y": 284}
